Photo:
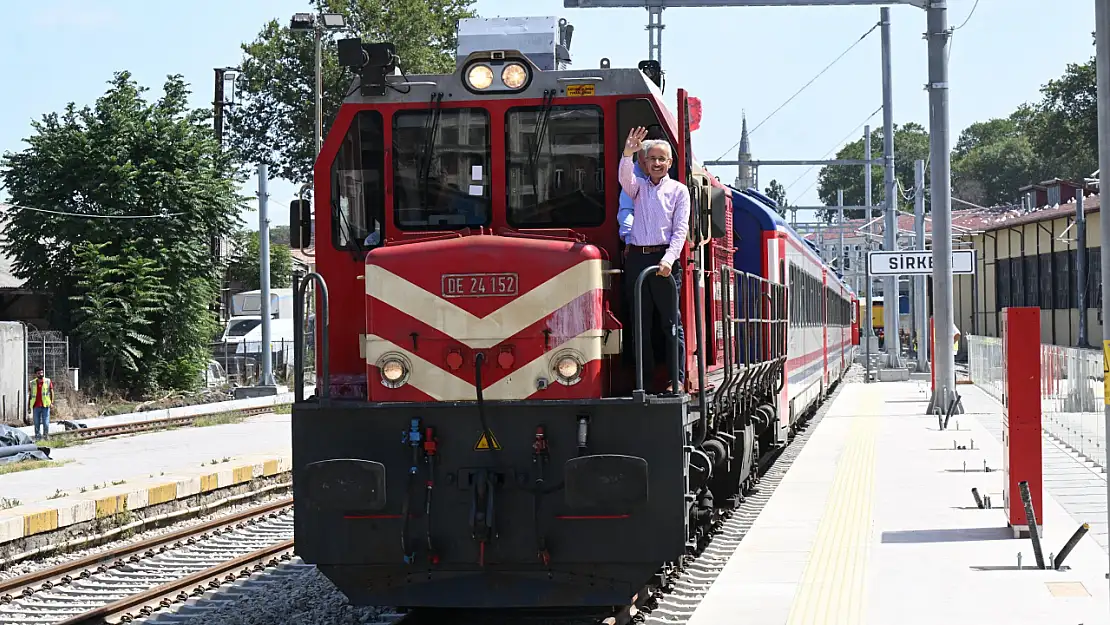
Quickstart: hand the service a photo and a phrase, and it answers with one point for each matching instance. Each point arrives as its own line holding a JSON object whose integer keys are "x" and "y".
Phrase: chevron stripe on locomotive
{"x": 477, "y": 438}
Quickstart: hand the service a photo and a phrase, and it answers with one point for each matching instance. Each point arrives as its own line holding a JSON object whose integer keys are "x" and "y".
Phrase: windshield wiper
{"x": 541, "y": 130}
{"x": 431, "y": 127}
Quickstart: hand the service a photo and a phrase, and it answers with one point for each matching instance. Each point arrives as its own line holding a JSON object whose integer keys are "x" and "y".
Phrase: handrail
{"x": 300, "y": 286}
{"x": 638, "y": 319}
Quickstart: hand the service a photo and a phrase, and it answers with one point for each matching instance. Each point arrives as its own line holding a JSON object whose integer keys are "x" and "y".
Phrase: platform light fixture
{"x": 306, "y": 22}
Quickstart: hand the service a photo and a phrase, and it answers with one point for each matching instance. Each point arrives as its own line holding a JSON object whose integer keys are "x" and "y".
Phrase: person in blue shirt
{"x": 625, "y": 214}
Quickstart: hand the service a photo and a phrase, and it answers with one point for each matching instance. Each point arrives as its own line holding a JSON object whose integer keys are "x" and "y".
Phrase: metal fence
{"x": 241, "y": 363}
{"x": 49, "y": 349}
{"x": 1071, "y": 391}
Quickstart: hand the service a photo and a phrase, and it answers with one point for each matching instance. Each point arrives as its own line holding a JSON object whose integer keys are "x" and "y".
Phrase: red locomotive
{"x": 479, "y": 437}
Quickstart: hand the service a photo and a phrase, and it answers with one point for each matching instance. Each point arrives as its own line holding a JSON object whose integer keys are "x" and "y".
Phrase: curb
{"x": 49, "y": 516}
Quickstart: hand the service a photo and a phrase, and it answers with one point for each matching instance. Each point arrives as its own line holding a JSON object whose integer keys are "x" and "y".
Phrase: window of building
{"x": 357, "y": 192}
{"x": 1046, "y": 276}
{"x": 1032, "y": 284}
{"x": 441, "y": 178}
{"x": 1002, "y": 283}
{"x": 541, "y": 141}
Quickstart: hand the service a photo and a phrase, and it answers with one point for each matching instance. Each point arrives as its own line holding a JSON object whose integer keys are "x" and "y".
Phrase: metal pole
{"x": 1102, "y": 73}
{"x": 868, "y": 331}
{"x": 1081, "y": 267}
{"x": 867, "y": 343}
{"x": 891, "y": 303}
{"x": 940, "y": 181}
{"x": 265, "y": 350}
{"x": 319, "y": 88}
{"x": 920, "y": 308}
{"x": 841, "y": 255}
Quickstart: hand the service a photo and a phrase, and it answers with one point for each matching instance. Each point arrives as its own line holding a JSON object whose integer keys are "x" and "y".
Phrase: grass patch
{"x": 61, "y": 441}
{"x": 30, "y": 465}
{"x": 6, "y": 503}
{"x": 222, "y": 418}
{"x": 283, "y": 409}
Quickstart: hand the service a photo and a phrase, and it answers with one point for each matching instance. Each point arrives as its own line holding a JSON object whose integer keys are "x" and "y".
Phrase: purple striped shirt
{"x": 662, "y": 211}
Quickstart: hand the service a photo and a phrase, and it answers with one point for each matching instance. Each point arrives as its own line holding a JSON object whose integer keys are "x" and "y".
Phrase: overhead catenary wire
{"x": 804, "y": 87}
{"x": 87, "y": 215}
{"x": 833, "y": 149}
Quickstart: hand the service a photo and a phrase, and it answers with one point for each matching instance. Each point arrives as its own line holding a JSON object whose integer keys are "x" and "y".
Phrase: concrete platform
{"x": 875, "y": 523}
{"x": 131, "y": 472}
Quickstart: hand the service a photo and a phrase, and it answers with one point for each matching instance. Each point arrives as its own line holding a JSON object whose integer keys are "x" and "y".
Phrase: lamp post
{"x": 303, "y": 22}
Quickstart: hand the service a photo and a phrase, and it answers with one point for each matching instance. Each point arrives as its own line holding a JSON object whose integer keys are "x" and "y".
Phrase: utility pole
{"x": 265, "y": 350}
{"x": 940, "y": 181}
{"x": 1081, "y": 267}
{"x": 869, "y": 332}
{"x": 1102, "y": 73}
{"x": 919, "y": 303}
{"x": 841, "y": 255}
{"x": 319, "y": 97}
{"x": 891, "y": 301}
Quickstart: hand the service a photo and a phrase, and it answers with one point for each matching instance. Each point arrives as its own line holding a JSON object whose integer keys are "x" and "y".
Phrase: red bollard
{"x": 1021, "y": 415}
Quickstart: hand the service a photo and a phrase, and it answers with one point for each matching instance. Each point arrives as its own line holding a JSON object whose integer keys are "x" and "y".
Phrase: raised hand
{"x": 635, "y": 140}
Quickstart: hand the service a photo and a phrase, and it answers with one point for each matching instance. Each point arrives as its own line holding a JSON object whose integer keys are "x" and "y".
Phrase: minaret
{"x": 746, "y": 177}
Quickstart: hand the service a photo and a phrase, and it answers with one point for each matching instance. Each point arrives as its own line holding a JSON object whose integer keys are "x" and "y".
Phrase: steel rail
{"x": 47, "y": 579}
{"x": 146, "y": 603}
{"x": 102, "y": 431}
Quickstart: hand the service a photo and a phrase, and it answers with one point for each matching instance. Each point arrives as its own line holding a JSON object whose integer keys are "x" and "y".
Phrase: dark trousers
{"x": 657, "y": 301}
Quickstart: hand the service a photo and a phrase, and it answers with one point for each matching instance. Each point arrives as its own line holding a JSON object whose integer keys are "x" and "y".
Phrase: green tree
{"x": 243, "y": 269}
{"x": 992, "y": 160}
{"x": 279, "y": 73}
{"x": 279, "y": 235}
{"x": 777, "y": 192}
{"x": 157, "y": 170}
{"x": 118, "y": 297}
{"x": 1063, "y": 127}
{"x": 911, "y": 142}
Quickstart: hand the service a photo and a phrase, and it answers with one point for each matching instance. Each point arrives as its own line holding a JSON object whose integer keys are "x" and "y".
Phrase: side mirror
{"x": 300, "y": 224}
{"x": 718, "y": 206}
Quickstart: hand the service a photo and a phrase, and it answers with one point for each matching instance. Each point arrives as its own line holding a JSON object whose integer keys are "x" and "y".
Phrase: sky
{"x": 737, "y": 61}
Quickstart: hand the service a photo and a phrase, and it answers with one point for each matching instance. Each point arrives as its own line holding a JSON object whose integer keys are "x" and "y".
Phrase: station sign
{"x": 916, "y": 263}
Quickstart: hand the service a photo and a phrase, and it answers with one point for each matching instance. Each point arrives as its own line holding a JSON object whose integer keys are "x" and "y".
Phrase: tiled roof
{"x": 973, "y": 220}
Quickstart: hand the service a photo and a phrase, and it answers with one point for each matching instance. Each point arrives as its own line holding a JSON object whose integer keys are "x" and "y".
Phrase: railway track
{"x": 135, "y": 580}
{"x": 102, "y": 431}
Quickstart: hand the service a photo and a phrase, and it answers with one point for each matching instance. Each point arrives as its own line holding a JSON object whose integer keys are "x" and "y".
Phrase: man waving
{"x": 662, "y": 208}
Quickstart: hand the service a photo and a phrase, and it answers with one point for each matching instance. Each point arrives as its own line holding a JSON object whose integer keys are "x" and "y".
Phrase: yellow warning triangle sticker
{"x": 487, "y": 442}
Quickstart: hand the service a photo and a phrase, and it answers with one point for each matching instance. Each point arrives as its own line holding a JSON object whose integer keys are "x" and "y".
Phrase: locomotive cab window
{"x": 357, "y": 193}
{"x": 441, "y": 178}
{"x": 556, "y": 162}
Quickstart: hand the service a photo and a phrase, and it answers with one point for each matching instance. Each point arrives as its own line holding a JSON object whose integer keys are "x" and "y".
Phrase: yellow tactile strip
{"x": 833, "y": 590}
{"x": 46, "y": 516}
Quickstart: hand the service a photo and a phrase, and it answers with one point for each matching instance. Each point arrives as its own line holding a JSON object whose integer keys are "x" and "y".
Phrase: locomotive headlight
{"x": 480, "y": 77}
{"x": 567, "y": 367}
{"x": 514, "y": 75}
{"x": 395, "y": 370}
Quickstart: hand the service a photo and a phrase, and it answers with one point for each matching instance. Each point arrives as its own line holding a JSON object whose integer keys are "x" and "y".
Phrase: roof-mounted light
{"x": 497, "y": 73}
{"x": 479, "y": 77}
{"x": 514, "y": 76}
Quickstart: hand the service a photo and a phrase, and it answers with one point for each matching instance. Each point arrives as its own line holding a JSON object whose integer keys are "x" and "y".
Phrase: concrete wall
{"x": 13, "y": 376}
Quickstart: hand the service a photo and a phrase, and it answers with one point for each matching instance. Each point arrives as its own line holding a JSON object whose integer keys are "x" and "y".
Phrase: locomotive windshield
{"x": 555, "y": 157}
{"x": 358, "y": 196}
{"x": 441, "y": 177}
